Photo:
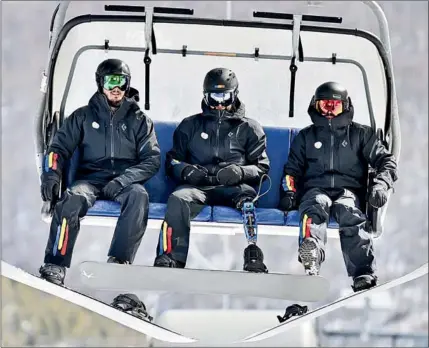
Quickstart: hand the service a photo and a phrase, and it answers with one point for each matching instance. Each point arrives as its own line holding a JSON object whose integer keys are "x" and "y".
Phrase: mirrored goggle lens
{"x": 330, "y": 107}
{"x": 112, "y": 81}
{"x": 215, "y": 99}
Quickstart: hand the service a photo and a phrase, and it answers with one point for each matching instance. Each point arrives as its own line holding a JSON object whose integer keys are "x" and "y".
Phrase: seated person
{"x": 218, "y": 156}
{"x": 326, "y": 173}
{"x": 119, "y": 152}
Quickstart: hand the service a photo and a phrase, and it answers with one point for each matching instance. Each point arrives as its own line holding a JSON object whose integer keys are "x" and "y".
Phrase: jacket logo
{"x": 95, "y": 125}
{"x": 344, "y": 143}
{"x": 230, "y": 134}
{"x": 317, "y": 144}
{"x": 124, "y": 127}
{"x": 204, "y": 135}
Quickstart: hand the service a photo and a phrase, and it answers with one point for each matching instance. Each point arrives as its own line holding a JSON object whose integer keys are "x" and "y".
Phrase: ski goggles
{"x": 112, "y": 81}
{"x": 330, "y": 107}
{"x": 219, "y": 98}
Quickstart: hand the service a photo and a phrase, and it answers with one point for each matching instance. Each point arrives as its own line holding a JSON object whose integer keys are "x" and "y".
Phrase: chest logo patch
{"x": 204, "y": 135}
{"x": 124, "y": 127}
{"x": 317, "y": 144}
{"x": 95, "y": 125}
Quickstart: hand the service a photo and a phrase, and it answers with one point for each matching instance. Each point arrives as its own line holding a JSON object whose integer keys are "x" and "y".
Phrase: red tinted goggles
{"x": 330, "y": 107}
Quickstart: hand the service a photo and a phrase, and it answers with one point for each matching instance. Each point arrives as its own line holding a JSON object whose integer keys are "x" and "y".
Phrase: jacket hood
{"x": 341, "y": 121}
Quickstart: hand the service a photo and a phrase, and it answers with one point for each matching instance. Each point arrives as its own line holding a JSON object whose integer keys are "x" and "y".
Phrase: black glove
{"x": 112, "y": 189}
{"x": 195, "y": 175}
{"x": 288, "y": 201}
{"x": 378, "y": 195}
{"x": 50, "y": 186}
{"x": 230, "y": 175}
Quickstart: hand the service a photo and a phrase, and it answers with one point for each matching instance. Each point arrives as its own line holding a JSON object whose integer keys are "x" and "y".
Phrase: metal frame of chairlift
{"x": 390, "y": 135}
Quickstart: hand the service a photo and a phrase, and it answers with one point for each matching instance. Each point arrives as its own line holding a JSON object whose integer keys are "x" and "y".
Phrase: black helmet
{"x": 220, "y": 87}
{"x": 332, "y": 91}
{"x": 112, "y": 67}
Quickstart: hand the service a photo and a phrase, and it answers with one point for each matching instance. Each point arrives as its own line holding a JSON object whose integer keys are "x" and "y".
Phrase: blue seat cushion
{"x": 264, "y": 216}
{"x": 156, "y": 211}
{"x": 278, "y": 140}
{"x": 292, "y": 219}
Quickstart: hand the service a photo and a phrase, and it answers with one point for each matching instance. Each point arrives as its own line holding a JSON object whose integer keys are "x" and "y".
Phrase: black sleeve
{"x": 65, "y": 141}
{"x": 175, "y": 158}
{"x": 383, "y": 162}
{"x": 149, "y": 156}
{"x": 256, "y": 155}
{"x": 293, "y": 170}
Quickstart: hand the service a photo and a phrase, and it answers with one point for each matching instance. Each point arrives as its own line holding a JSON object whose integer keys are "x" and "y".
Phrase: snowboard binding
{"x": 292, "y": 311}
{"x": 130, "y": 304}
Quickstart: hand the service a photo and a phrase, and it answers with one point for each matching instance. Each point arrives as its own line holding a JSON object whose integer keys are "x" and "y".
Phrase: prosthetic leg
{"x": 253, "y": 255}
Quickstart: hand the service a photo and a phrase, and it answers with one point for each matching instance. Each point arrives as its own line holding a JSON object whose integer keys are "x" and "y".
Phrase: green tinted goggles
{"x": 112, "y": 81}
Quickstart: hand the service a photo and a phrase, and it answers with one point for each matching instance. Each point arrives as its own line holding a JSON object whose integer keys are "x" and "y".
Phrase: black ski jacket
{"x": 119, "y": 145}
{"x": 335, "y": 154}
{"x": 214, "y": 139}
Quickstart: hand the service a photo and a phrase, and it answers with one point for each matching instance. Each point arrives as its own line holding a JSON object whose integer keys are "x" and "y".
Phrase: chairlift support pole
{"x": 395, "y": 130}
{"x": 57, "y": 23}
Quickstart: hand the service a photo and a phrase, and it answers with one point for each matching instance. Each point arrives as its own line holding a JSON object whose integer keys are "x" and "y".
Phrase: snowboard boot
{"x": 254, "y": 259}
{"x": 130, "y": 304}
{"x": 53, "y": 273}
{"x": 311, "y": 256}
{"x": 165, "y": 260}
{"x": 364, "y": 282}
{"x": 113, "y": 259}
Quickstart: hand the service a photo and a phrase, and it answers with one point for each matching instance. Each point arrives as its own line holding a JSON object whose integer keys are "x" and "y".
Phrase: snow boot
{"x": 130, "y": 304}
{"x": 364, "y": 282}
{"x": 311, "y": 256}
{"x": 165, "y": 260}
{"x": 113, "y": 259}
{"x": 53, "y": 273}
{"x": 254, "y": 259}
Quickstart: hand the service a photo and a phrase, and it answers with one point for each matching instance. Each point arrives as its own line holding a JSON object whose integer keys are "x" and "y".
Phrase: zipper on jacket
{"x": 217, "y": 132}
{"x": 332, "y": 153}
{"x": 112, "y": 147}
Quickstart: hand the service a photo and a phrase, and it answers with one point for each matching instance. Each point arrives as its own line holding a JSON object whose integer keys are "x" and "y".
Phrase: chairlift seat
{"x": 161, "y": 186}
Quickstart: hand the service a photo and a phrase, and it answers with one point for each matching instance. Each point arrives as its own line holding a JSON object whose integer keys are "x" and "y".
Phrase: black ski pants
{"x": 184, "y": 204}
{"x": 316, "y": 207}
{"x": 74, "y": 205}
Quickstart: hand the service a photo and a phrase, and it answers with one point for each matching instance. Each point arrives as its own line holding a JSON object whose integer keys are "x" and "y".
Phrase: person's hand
{"x": 230, "y": 175}
{"x": 50, "y": 186}
{"x": 288, "y": 201}
{"x": 195, "y": 175}
{"x": 112, "y": 189}
{"x": 378, "y": 195}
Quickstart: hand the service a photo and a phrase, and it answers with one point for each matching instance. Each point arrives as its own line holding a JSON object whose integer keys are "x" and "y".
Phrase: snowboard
{"x": 276, "y": 330}
{"x": 145, "y": 327}
{"x": 118, "y": 277}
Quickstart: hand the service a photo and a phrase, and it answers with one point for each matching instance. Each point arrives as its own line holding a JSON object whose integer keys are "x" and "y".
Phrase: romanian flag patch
{"x": 51, "y": 161}
{"x": 289, "y": 183}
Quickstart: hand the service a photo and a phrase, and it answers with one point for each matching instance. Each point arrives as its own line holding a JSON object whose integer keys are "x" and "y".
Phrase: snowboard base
{"x": 118, "y": 277}
{"x": 304, "y": 315}
{"x": 94, "y": 305}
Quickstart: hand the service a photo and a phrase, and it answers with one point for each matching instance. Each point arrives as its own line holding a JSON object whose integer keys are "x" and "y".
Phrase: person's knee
{"x": 70, "y": 205}
{"x": 315, "y": 214}
{"x": 138, "y": 195}
{"x": 348, "y": 216}
{"x": 176, "y": 200}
